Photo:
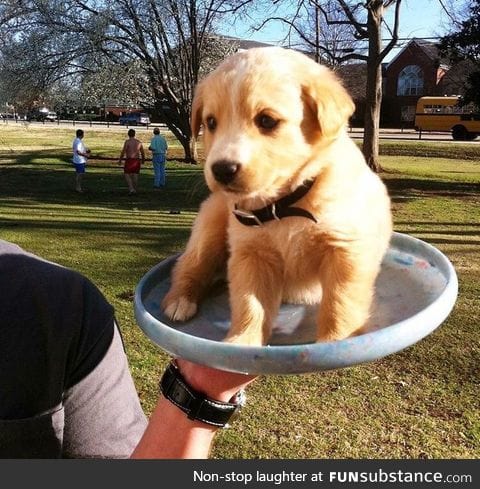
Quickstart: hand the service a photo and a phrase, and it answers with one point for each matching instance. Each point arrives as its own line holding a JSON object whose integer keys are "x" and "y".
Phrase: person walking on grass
{"x": 134, "y": 156}
{"x": 158, "y": 147}
{"x": 79, "y": 160}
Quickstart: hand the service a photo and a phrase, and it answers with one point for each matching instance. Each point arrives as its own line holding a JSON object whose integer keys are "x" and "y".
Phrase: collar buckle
{"x": 247, "y": 215}
{"x": 274, "y": 213}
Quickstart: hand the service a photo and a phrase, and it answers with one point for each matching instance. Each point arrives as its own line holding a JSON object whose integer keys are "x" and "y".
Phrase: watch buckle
{"x": 240, "y": 400}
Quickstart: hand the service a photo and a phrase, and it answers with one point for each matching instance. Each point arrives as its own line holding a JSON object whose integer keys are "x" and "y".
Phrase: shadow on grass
{"x": 105, "y": 208}
{"x": 105, "y": 187}
{"x": 409, "y": 188}
{"x": 48, "y": 156}
{"x": 9, "y": 157}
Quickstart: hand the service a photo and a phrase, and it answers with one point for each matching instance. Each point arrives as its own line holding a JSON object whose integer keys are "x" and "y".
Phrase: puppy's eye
{"x": 211, "y": 123}
{"x": 266, "y": 122}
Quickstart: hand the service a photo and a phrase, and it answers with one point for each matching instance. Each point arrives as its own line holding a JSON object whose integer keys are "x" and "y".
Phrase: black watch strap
{"x": 196, "y": 406}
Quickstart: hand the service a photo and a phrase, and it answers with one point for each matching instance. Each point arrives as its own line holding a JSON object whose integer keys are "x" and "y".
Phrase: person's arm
{"x": 142, "y": 152}
{"x": 122, "y": 153}
{"x": 170, "y": 433}
{"x": 78, "y": 151}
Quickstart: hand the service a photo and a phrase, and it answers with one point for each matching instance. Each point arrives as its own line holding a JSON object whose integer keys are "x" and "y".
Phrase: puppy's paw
{"x": 243, "y": 340}
{"x": 246, "y": 338}
{"x": 178, "y": 308}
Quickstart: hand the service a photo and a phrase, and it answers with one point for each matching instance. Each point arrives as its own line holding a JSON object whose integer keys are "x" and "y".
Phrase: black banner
{"x": 207, "y": 474}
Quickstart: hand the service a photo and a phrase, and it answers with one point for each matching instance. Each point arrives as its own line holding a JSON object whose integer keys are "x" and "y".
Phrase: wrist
{"x": 214, "y": 410}
{"x": 211, "y": 382}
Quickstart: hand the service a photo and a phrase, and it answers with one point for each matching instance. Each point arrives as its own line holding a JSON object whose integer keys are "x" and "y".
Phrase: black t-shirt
{"x": 55, "y": 326}
{"x": 61, "y": 394}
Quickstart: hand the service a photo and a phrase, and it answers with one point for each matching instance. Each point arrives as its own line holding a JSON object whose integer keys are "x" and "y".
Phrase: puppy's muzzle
{"x": 225, "y": 171}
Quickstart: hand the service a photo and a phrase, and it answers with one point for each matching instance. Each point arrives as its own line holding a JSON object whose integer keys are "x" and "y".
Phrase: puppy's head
{"x": 266, "y": 114}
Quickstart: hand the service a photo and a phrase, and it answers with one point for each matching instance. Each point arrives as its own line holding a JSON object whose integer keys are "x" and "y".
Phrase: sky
{"x": 419, "y": 18}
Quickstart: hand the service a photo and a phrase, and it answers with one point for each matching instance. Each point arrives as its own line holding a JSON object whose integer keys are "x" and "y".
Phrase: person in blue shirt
{"x": 158, "y": 147}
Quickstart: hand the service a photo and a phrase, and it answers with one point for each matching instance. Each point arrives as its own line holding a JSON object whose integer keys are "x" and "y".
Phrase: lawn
{"x": 420, "y": 403}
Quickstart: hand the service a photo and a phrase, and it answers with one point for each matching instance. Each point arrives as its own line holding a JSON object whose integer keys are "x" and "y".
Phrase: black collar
{"x": 278, "y": 209}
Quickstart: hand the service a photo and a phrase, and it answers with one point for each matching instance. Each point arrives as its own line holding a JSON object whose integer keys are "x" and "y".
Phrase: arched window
{"x": 410, "y": 81}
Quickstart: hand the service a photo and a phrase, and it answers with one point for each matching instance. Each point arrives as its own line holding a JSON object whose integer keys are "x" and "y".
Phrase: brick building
{"x": 415, "y": 71}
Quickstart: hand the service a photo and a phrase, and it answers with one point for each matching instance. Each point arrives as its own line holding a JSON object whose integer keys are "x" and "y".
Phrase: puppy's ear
{"x": 330, "y": 102}
{"x": 197, "y": 107}
{"x": 196, "y": 119}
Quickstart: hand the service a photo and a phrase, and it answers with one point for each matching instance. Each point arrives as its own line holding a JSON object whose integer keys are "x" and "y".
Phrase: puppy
{"x": 294, "y": 213}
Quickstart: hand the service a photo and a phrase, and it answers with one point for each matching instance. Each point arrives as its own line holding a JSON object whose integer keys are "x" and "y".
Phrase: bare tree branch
{"x": 396, "y": 26}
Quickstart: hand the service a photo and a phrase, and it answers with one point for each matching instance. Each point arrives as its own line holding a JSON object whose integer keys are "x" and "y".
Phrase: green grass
{"x": 419, "y": 403}
{"x": 430, "y": 149}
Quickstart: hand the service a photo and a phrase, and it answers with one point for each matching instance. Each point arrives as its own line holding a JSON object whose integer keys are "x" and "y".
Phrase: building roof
{"x": 429, "y": 48}
{"x": 245, "y": 43}
{"x": 354, "y": 78}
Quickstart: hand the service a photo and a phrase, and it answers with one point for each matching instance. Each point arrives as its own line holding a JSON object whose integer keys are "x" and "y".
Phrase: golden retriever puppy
{"x": 294, "y": 214}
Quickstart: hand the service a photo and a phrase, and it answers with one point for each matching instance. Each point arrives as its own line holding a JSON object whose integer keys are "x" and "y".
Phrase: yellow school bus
{"x": 446, "y": 114}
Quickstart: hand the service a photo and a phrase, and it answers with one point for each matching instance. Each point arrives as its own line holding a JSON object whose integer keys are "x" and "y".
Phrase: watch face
{"x": 240, "y": 398}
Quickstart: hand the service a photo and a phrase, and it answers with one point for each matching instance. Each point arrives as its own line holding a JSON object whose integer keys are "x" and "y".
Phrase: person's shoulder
{"x": 38, "y": 277}
{"x": 33, "y": 267}
{"x": 7, "y": 248}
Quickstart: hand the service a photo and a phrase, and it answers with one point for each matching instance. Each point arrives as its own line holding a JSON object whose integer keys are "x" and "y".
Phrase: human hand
{"x": 215, "y": 384}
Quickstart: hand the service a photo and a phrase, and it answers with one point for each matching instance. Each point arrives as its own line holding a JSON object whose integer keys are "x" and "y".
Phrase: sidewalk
{"x": 408, "y": 134}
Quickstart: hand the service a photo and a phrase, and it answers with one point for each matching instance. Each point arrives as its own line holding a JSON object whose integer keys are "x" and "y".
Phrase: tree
{"x": 464, "y": 44}
{"x": 29, "y": 68}
{"x": 116, "y": 83}
{"x": 326, "y": 42}
{"x": 168, "y": 40}
{"x": 364, "y": 21}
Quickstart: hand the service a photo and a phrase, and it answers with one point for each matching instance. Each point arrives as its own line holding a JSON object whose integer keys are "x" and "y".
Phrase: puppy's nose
{"x": 224, "y": 171}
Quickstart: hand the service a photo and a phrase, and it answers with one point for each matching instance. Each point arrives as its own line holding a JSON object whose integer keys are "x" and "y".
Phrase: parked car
{"x": 51, "y": 116}
{"x": 134, "y": 119}
{"x": 42, "y": 115}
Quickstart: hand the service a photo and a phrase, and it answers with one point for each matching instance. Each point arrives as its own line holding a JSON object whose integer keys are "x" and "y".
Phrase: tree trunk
{"x": 186, "y": 143}
{"x": 374, "y": 87}
{"x": 372, "y": 118}
{"x": 178, "y": 123}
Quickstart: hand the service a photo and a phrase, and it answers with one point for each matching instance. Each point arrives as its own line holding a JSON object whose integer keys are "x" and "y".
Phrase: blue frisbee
{"x": 415, "y": 291}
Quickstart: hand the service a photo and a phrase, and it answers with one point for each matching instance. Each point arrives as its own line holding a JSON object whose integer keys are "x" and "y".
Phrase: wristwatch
{"x": 194, "y": 404}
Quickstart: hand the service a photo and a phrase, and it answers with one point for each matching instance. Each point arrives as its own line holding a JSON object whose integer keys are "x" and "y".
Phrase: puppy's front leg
{"x": 204, "y": 257}
{"x": 347, "y": 295}
{"x": 255, "y": 286}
